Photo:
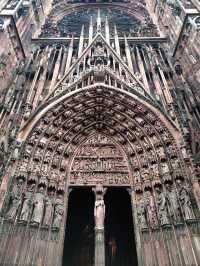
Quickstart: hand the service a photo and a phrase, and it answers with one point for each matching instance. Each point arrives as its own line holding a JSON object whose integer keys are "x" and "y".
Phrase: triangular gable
{"x": 70, "y": 86}
{"x": 99, "y": 37}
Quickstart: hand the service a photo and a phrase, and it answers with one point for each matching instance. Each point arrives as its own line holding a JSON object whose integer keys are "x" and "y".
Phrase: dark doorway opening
{"x": 79, "y": 235}
{"x": 119, "y": 232}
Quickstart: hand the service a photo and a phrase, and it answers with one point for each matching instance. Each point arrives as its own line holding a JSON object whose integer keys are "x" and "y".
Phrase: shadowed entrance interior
{"x": 119, "y": 233}
{"x": 79, "y": 236}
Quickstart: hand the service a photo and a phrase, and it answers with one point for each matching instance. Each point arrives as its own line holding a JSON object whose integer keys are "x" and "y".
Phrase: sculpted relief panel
{"x": 99, "y": 160}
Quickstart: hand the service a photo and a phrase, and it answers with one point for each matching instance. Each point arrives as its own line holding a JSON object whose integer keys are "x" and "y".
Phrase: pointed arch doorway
{"x": 99, "y": 170}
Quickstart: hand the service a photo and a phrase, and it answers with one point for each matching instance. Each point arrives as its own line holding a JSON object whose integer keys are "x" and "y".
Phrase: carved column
{"x": 99, "y": 215}
{"x": 99, "y": 247}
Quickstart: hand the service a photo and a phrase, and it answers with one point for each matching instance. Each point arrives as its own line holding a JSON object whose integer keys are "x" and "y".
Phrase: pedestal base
{"x": 99, "y": 247}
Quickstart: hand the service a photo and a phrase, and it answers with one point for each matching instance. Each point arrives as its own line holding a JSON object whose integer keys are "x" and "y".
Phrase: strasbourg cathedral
{"x": 99, "y": 133}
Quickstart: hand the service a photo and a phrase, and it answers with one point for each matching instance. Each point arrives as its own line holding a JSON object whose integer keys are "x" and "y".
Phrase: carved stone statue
{"x": 172, "y": 199}
{"x": 15, "y": 199}
{"x": 184, "y": 152}
{"x": 16, "y": 150}
{"x": 141, "y": 211}
{"x": 99, "y": 51}
{"x": 49, "y": 209}
{"x": 161, "y": 152}
{"x": 38, "y": 203}
{"x": 165, "y": 168}
{"x": 150, "y": 206}
{"x": 99, "y": 212}
{"x": 161, "y": 206}
{"x": 27, "y": 111}
{"x": 58, "y": 212}
{"x": 185, "y": 201}
{"x": 27, "y": 204}
{"x": 175, "y": 164}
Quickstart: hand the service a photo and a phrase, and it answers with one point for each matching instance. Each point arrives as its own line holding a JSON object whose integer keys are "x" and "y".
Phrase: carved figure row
{"x": 34, "y": 206}
{"x": 165, "y": 207}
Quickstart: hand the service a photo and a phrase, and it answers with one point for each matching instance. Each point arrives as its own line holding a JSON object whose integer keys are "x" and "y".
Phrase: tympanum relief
{"x": 99, "y": 161}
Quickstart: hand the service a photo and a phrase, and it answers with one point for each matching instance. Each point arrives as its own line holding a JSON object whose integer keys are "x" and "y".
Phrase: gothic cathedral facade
{"x": 100, "y": 97}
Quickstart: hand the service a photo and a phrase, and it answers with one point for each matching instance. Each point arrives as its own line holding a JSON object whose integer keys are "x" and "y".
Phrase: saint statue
{"x": 165, "y": 168}
{"x": 49, "y": 209}
{"x": 99, "y": 212}
{"x": 141, "y": 211}
{"x": 38, "y": 203}
{"x": 27, "y": 205}
{"x": 186, "y": 203}
{"x": 58, "y": 212}
{"x": 172, "y": 199}
{"x": 161, "y": 206}
{"x": 15, "y": 199}
{"x": 150, "y": 209}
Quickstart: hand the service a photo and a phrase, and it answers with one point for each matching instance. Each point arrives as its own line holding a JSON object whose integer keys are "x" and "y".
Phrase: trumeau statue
{"x": 27, "y": 205}
{"x": 99, "y": 212}
{"x": 49, "y": 209}
{"x": 161, "y": 206}
{"x": 16, "y": 199}
{"x": 38, "y": 203}
{"x": 58, "y": 212}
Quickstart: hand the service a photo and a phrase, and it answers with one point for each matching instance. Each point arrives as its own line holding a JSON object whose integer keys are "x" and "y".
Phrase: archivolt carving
{"x": 130, "y": 126}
